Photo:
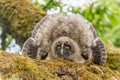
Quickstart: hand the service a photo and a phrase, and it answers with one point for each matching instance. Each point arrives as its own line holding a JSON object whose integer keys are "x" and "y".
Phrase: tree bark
{"x": 18, "y": 18}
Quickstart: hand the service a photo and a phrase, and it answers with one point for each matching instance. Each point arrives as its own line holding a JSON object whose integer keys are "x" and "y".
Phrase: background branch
{"x": 21, "y": 16}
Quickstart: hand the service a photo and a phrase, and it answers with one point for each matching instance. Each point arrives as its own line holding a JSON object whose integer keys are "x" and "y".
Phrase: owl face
{"x": 66, "y": 48}
{"x": 63, "y": 49}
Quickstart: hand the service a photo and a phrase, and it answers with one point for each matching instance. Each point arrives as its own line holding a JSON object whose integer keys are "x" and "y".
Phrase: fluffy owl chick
{"x": 70, "y": 37}
{"x": 66, "y": 48}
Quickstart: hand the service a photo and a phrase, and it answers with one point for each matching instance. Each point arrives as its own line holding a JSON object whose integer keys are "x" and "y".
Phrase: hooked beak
{"x": 61, "y": 51}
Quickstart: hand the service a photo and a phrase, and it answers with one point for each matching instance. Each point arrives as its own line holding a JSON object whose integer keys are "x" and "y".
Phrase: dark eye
{"x": 67, "y": 47}
{"x": 58, "y": 47}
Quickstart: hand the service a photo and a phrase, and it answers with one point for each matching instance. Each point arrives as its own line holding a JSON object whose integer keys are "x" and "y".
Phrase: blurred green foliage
{"x": 105, "y": 16}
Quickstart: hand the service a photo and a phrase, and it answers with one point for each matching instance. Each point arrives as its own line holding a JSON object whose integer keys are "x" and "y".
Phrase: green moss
{"x": 21, "y": 15}
{"x": 113, "y": 59}
{"x": 34, "y": 69}
{"x": 14, "y": 78}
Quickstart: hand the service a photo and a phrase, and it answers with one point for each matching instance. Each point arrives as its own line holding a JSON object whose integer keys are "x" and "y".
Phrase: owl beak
{"x": 61, "y": 51}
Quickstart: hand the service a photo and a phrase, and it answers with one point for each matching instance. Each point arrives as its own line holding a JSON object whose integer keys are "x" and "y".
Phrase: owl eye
{"x": 58, "y": 47}
{"x": 67, "y": 47}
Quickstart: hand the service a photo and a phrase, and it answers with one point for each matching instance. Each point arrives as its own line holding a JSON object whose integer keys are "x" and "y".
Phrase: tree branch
{"x": 22, "y": 16}
{"x": 25, "y": 68}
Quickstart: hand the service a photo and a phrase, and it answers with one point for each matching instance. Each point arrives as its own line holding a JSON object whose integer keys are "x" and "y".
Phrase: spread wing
{"x": 99, "y": 53}
{"x": 30, "y": 48}
{"x": 38, "y": 25}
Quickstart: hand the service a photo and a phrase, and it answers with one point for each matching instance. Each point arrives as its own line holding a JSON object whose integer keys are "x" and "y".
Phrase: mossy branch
{"x": 20, "y": 67}
{"x": 19, "y": 18}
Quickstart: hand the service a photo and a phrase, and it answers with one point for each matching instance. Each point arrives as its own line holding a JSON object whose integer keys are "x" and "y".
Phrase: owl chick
{"x": 69, "y": 37}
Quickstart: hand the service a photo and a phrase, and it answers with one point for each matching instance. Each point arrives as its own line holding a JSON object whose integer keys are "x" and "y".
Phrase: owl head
{"x": 64, "y": 47}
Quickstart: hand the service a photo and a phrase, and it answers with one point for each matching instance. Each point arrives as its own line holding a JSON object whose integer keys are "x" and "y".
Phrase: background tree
{"x": 17, "y": 19}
